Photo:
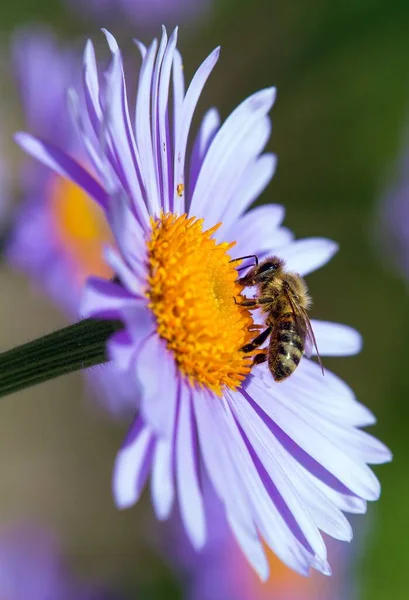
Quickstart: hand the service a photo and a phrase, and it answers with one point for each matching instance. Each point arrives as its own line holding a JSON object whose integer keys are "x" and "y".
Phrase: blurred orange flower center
{"x": 81, "y": 227}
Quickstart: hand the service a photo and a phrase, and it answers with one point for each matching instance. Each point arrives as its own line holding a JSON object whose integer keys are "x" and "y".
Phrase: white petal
{"x": 335, "y": 339}
{"x": 162, "y": 487}
{"x": 307, "y": 255}
{"x": 132, "y": 465}
{"x": 159, "y": 395}
{"x": 187, "y": 471}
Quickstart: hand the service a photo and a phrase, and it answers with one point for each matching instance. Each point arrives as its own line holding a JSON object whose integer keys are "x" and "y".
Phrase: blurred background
{"x": 339, "y": 130}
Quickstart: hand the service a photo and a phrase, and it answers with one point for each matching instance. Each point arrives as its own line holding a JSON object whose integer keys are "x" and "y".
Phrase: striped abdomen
{"x": 287, "y": 342}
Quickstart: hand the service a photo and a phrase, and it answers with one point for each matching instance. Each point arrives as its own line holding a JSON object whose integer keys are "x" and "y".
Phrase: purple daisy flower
{"x": 59, "y": 232}
{"x": 285, "y": 460}
{"x": 31, "y": 568}
{"x": 141, "y": 13}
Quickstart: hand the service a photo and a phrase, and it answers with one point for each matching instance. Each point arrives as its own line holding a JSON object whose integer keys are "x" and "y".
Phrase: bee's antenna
{"x": 244, "y": 258}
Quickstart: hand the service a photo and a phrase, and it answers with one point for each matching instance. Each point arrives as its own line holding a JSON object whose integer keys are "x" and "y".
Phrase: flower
{"x": 59, "y": 232}
{"x": 141, "y": 13}
{"x": 31, "y": 568}
{"x": 286, "y": 460}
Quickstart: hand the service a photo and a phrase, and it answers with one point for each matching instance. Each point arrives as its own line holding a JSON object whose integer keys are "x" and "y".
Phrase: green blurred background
{"x": 342, "y": 73}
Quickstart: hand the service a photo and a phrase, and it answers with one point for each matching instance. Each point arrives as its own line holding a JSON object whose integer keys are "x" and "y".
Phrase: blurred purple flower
{"x": 59, "y": 232}
{"x": 284, "y": 459}
{"x": 31, "y": 568}
{"x": 393, "y": 222}
{"x": 141, "y": 13}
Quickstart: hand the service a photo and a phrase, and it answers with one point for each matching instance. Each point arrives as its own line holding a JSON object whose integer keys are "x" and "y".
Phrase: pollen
{"x": 195, "y": 298}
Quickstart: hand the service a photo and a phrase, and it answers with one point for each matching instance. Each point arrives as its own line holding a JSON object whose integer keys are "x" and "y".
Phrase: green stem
{"x": 75, "y": 347}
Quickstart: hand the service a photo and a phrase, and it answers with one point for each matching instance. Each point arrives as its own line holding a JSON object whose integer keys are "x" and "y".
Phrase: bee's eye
{"x": 267, "y": 266}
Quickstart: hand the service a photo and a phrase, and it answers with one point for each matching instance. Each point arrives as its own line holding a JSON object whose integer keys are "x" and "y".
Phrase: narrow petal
{"x": 189, "y": 104}
{"x": 64, "y": 165}
{"x": 162, "y": 489}
{"x": 335, "y": 339}
{"x": 119, "y": 124}
{"x": 313, "y": 440}
{"x": 133, "y": 280}
{"x": 132, "y": 465}
{"x": 187, "y": 472}
{"x": 327, "y": 394}
{"x": 104, "y": 299}
{"x": 159, "y": 393}
{"x": 278, "y": 462}
{"x": 307, "y": 255}
{"x": 276, "y": 468}
{"x": 208, "y": 129}
{"x": 247, "y": 122}
{"x": 124, "y": 345}
{"x": 226, "y": 483}
{"x": 143, "y": 130}
{"x": 259, "y": 230}
{"x": 250, "y": 185}
{"x": 161, "y": 128}
{"x": 268, "y": 518}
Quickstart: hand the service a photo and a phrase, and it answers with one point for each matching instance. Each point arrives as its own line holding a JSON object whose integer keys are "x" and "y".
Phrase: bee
{"x": 283, "y": 297}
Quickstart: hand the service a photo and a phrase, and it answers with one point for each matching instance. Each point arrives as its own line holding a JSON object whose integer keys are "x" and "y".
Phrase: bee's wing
{"x": 305, "y": 329}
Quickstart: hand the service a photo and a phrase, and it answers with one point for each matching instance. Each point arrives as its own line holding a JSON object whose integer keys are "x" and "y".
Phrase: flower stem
{"x": 75, "y": 347}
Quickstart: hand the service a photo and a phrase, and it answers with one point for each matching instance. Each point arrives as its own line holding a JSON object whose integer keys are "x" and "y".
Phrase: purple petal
{"x": 208, "y": 129}
{"x": 133, "y": 281}
{"x": 223, "y": 477}
{"x": 258, "y": 231}
{"x": 187, "y": 472}
{"x": 335, "y": 339}
{"x": 277, "y": 460}
{"x": 104, "y": 299}
{"x": 159, "y": 393}
{"x": 307, "y": 255}
{"x": 273, "y": 460}
{"x": 143, "y": 130}
{"x": 247, "y": 122}
{"x": 189, "y": 104}
{"x": 61, "y": 163}
{"x": 178, "y": 92}
{"x": 132, "y": 465}
{"x": 328, "y": 395}
{"x": 119, "y": 124}
{"x": 250, "y": 185}
{"x": 129, "y": 235}
{"x": 161, "y": 129}
{"x": 269, "y": 520}
{"x": 123, "y": 346}
{"x": 163, "y": 491}
{"x": 289, "y": 419}
{"x": 91, "y": 86}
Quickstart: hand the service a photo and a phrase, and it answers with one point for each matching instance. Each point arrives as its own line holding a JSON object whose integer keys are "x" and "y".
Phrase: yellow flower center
{"x": 81, "y": 227}
{"x": 191, "y": 290}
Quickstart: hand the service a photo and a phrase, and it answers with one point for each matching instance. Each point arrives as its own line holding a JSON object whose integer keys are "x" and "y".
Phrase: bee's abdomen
{"x": 286, "y": 348}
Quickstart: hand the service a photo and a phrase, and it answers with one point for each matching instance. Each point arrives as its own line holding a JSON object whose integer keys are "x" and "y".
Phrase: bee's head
{"x": 262, "y": 272}
{"x": 266, "y": 268}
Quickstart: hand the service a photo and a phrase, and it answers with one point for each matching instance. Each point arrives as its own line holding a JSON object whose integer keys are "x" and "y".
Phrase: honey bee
{"x": 283, "y": 297}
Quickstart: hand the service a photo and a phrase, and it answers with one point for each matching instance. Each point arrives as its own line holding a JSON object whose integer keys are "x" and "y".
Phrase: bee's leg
{"x": 257, "y": 341}
{"x": 249, "y": 302}
{"x": 259, "y": 358}
{"x": 268, "y": 300}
